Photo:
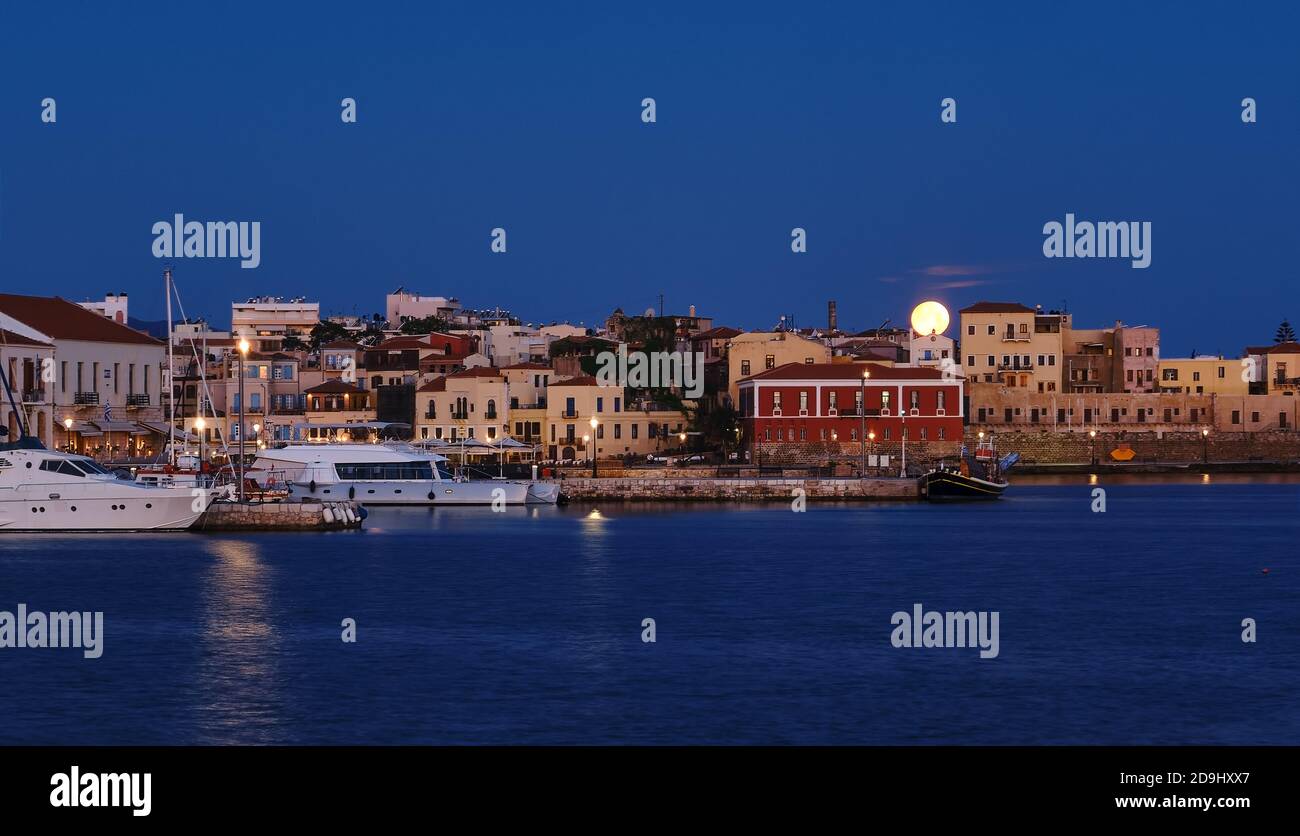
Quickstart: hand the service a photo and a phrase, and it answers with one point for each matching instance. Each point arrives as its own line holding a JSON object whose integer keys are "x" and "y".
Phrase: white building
{"x": 106, "y": 378}
{"x": 113, "y": 307}
{"x": 266, "y": 320}
{"x": 402, "y": 305}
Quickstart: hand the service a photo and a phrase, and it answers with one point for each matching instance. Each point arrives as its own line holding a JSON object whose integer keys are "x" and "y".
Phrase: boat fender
{"x": 312, "y": 485}
{"x": 431, "y": 494}
{"x": 352, "y": 492}
{"x": 328, "y": 514}
{"x": 348, "y": 515}
{"x": 362, "y": 513}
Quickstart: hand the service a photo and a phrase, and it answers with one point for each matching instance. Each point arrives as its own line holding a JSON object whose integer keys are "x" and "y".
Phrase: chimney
{"x": 832, "y": 320}
{"x": 692, "y": 311}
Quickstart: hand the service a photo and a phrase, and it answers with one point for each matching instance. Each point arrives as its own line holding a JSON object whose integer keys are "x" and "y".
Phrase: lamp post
{"x": 1205, "y": 447}
{"x": 902, "y": 467}
{"x": 594, "y": 424}
{"x": 1092, "y": 446}
{"x": 67, "y": 428}
{"x": 871, "y": 436}
{"x": 862, "y": 413}
{"x": 243, "y": 351}
{"x": 199, "y": 426}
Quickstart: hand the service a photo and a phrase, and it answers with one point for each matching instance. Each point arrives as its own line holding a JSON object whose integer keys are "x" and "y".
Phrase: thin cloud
{"x": 947, "y": 270}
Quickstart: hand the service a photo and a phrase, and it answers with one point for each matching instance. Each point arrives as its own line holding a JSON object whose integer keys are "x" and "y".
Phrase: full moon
{"x": 929, "y": 318}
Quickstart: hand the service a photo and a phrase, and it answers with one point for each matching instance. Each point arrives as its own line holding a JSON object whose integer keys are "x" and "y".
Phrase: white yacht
{"x": 46, "y": 490}
{"x": 377, "y": 474}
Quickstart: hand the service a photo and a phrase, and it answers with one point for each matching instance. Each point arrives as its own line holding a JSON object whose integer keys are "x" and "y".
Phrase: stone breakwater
{"x": 280, "y": 516}
{"x": 721, "y": 489}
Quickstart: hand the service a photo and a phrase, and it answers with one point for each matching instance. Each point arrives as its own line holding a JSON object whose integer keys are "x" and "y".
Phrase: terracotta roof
{"x": 586, "y": 380}
{"x": 395, "y": 343}
{"x": 334, "y": 387}
{"x": 721, "y": 332}
{"x": 437, "y": 385}
{"x": 478, "y": 371}
{"x": 845, "y": 371}
{"x": 64, "y": 320}
{"x": 1285, "y": 348}
{"x": 997, "y": 307}
{"x": 10, "y": 338}
{"x": 342, "y": 344}
{"x": 536, "y": 366}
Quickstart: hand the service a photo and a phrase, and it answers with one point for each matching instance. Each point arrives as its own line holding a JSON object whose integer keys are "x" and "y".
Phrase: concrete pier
{"x": 722, "y": 489}
{"x": 280, "y": 516}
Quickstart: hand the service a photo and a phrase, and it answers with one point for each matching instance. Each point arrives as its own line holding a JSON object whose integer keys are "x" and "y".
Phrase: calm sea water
{"x": 772, "y": 626}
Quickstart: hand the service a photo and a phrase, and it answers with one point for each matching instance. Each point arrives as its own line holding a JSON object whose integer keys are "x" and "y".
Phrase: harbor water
{"x": 1122, "y": 626}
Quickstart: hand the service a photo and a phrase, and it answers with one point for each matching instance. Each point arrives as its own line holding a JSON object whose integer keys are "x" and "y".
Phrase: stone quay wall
{"x": 657, "y": 488}
{"x": 1152, "y": 447}
{"x": 279, "y": 516}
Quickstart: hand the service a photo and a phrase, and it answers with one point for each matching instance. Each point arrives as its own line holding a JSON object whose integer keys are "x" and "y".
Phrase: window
{"x": 744, "y": 368}
{"x": 600, "y": 404}
{"x": 803, "y": 401}
{"x": 916, "y": 399}
{"x": 884, "y": 399}
{"x": 941, "y": 394}
{"x": 776, "y": 400}
{"x": 970, "y": 359}
{"x": 1196, "y": 376}
{"x": 618, "y": 430}
{"x": 993, "y": 329}
{"x": 1221, "y": 369}
{"x": 992, "y": 362}
{"x": 808, "y": 361}
{"x": 834, "y": 399}
{"x": 970, "y": 330}
{"x": 1236, "y": 416}
{"x": 634, "y": 427}
{"x": 769, "y": 362}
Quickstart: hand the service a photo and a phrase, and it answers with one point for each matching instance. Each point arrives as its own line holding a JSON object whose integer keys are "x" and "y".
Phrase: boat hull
{"x": 418, "y": 492}
{"x": 125, "y": 508}
{"x": 945, "y": 485}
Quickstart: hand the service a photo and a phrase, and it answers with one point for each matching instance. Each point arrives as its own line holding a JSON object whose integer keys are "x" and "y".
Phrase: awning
{"x": 120, "y": 427}
{"x": 84, "y": 428}
{"x": 161, "y": 429}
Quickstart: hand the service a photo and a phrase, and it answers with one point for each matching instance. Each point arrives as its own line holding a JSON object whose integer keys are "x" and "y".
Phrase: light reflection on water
{"x": 238, "y": 669}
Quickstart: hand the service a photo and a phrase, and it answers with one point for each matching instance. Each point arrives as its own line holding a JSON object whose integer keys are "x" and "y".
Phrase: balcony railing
{"x": 137, "y": 400}
{"x": 34, "y": 396}
{"x": 1015, "y": 338}
{"x": 1015, "y": 367}
{"x": 86, "y": 399}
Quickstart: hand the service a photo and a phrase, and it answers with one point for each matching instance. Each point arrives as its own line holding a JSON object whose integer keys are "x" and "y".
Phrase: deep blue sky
{"x": 770, "y": 117}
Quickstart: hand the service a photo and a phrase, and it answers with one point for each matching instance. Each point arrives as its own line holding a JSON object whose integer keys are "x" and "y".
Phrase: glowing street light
{"x": 594, "y": 423}
{"x": 243, "y": 352}
{"x": 67, "y": 427}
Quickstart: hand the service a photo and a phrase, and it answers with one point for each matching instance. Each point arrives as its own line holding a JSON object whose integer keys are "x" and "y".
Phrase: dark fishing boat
{"x": 978, "y": 476}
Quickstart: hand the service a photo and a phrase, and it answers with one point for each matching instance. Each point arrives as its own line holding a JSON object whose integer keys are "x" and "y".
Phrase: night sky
{"x": 770, "y": 116}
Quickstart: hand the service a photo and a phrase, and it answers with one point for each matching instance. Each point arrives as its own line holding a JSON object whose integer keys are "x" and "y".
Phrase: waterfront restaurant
{"x": 820, "y": 402}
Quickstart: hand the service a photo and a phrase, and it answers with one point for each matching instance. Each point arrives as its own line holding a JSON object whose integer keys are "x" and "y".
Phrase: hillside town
{"x": 90, "y": 380}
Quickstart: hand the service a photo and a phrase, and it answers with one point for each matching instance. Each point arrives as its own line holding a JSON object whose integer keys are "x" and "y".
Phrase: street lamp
{"x": 1092, "y": 446}
{"x": 199, "y": 426}
{"x": 67, "y": 427}
{"x": 1205, "y": 447}
{"x": 243, "y": 352}
{"x": 862, "y": 412}
{"x": 871, "y": 436}
{"x": 593, "y": 423}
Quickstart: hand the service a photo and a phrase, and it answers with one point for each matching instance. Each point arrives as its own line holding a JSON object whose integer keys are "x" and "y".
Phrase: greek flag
{"x": 108, "y": 412}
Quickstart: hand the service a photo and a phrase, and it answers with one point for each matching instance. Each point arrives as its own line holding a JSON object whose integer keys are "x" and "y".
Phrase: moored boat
{"x": 977, "y": 476}
{"x": 380, "y": 474}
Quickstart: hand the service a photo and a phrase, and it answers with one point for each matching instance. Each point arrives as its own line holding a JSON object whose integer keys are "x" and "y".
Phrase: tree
{"x": 1285, "y": 333}
{"x": 292, "y": 343}
{"x": 426, "y": 325}
{"x": 327, "y": 332}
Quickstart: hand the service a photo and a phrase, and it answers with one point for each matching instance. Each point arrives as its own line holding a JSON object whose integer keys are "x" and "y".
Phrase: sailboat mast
{"x": 171, "y": 370}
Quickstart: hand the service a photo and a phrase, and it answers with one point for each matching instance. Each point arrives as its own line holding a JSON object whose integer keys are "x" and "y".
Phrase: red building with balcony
{"x": 825, "y": 402}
